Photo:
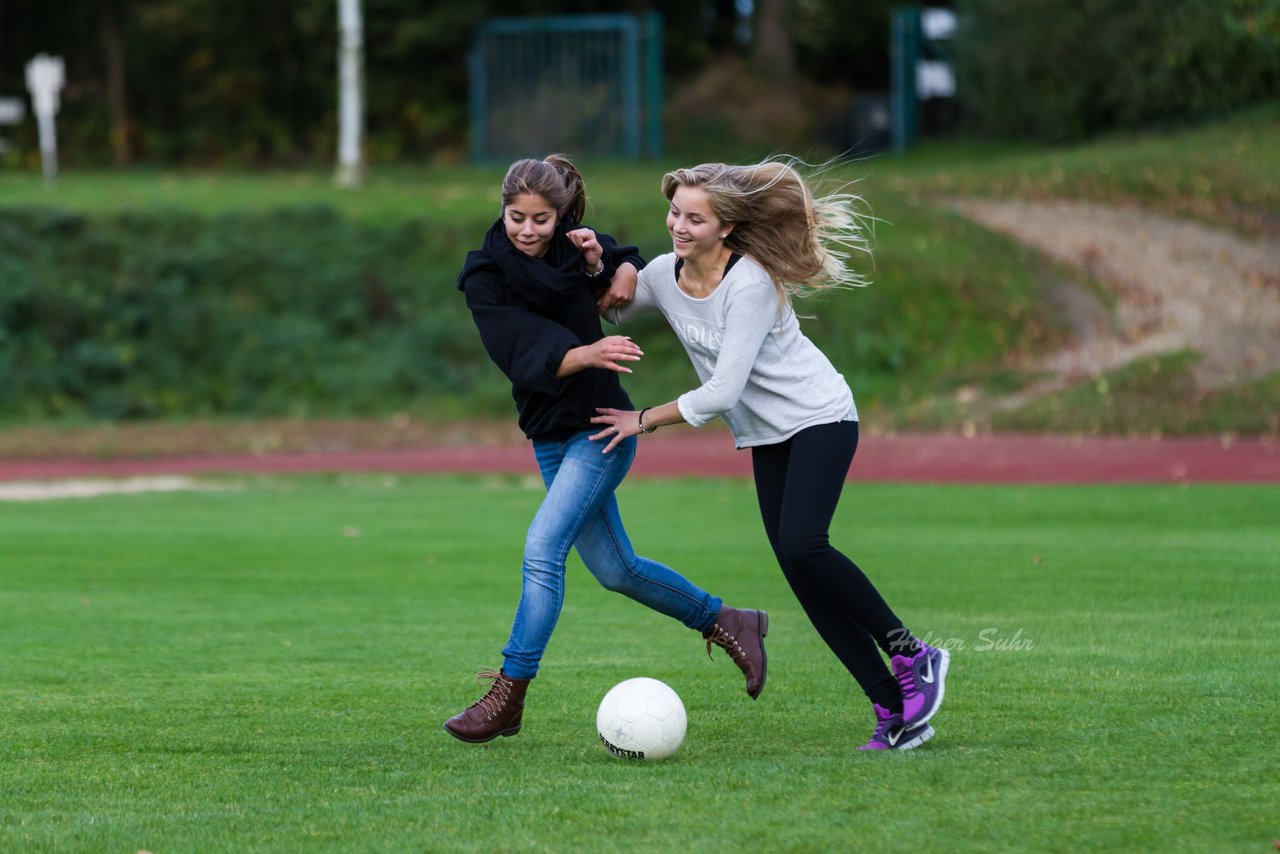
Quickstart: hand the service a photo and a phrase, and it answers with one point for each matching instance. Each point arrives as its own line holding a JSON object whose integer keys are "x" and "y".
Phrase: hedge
{"x": 291, "y": 312}
{"x": 1062, "y": 70}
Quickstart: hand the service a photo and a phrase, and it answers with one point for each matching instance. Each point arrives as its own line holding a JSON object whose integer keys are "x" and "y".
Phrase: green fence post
{"x": 653, "y": 83}
{"x": 904, "y": 53}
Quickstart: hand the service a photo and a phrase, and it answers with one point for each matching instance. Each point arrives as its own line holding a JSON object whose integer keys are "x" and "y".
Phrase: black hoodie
{"x": 530, "y": 312}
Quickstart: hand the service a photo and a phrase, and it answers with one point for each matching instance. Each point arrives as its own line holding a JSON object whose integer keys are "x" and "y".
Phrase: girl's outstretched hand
{"x": 610, "y": 350}
{"x": 621, "y": 424}
{"x": 606, "y": 353}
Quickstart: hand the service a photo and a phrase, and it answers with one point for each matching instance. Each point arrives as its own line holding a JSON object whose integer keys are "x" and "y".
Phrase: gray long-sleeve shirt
{"x": 758, "y": 370}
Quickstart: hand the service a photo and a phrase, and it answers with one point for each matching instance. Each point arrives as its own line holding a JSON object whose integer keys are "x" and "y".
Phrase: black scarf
{"x": 544, "y": 281}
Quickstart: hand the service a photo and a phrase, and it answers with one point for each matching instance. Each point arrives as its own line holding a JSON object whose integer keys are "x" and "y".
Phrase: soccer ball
{"x": 641, "y": 718}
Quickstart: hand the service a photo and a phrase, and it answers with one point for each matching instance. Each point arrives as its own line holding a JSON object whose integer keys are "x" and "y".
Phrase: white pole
{"x": 45, "y": 76}
{"x": 48, "y": 147}
{"x": 350, "y": 93}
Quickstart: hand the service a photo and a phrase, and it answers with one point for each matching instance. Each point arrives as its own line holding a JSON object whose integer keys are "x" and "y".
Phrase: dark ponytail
{"x": 555, "y": 179}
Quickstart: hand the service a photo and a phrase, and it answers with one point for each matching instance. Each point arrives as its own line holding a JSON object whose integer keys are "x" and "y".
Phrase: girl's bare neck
{"x": 700, "y": 276}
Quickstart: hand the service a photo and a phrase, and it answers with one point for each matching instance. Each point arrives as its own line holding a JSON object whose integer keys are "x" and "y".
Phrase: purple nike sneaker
{"x": 891, "y": 735}
{"x": 922, "y": 678}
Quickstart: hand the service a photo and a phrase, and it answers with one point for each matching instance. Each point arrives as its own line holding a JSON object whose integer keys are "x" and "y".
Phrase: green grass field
{"x": 266, "y": 667}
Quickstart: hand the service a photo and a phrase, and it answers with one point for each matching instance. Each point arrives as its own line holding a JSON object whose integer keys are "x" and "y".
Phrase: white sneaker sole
{"x": 917, "y": 741}
{"x": 940, "y": 679}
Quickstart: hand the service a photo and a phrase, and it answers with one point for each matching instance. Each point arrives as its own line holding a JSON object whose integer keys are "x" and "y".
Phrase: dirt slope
{"x": 1177, "y": 285}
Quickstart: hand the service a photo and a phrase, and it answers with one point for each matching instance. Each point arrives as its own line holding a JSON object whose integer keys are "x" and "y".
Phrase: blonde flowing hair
{"x": 805, "y": 243}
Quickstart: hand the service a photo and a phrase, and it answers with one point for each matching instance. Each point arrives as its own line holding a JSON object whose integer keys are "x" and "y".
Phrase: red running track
{"x": 911, "y": 458}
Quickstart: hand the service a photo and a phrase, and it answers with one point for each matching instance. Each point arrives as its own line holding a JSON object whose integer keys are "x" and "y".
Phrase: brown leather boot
{"x": 497, "y": 713}
{"x": 741, "y": 634}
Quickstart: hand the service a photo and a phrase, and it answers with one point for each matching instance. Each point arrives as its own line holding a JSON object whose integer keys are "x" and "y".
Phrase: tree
{"x": 113, "y": 61}
{"x": 773, "y": 50}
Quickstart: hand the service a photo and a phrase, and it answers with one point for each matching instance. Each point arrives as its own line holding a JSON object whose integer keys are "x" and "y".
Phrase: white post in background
{"x": 350, "y": 93}
{"x": 45, "y": 76}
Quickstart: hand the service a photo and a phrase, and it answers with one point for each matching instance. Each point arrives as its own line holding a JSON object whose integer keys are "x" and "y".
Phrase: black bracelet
{"x": 640, "y": 418}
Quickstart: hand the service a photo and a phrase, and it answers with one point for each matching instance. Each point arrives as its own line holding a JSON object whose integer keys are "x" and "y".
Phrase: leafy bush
{"x": 300, "y": 310}
{"x": 1066, "y": 69}
{"x": 307, "y": 312}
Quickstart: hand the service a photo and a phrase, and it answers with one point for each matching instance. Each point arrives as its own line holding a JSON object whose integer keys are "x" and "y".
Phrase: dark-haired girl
{"x": 535, "y": 294}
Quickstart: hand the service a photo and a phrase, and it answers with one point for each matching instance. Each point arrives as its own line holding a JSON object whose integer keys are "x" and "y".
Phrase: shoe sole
{"x": 940, "y": 677}
{"x": 505, "y": 733}
{"x": 918, "y": 740}
{"x": 905, "y": 745}
{"x": 764, "y": 656}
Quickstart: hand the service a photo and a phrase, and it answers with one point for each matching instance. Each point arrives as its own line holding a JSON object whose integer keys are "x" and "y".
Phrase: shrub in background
{"x": 166, "y": 313}
{"x": 1061, "y": 70}
{"x": 307, "y": 312}
{"x": 301, "y": 311}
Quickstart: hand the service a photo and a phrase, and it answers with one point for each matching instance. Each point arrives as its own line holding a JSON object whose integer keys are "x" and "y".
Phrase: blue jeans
{"x": 580, "y": 511}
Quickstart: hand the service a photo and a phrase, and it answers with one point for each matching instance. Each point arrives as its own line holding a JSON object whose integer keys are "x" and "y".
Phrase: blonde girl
{"x": 747, "y": 241}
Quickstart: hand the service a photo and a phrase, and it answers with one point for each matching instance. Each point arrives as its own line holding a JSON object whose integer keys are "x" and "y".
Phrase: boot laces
{"x": 499, "y": 692}
{"x": 728, "y": 643}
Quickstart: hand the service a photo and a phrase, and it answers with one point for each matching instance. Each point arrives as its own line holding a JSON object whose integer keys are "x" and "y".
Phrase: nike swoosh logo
{"x": 927, "y": 675}
{"x": 893, "y": 735}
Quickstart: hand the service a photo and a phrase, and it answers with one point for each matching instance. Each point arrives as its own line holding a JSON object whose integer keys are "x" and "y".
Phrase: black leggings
{"x": 798, "y": 484}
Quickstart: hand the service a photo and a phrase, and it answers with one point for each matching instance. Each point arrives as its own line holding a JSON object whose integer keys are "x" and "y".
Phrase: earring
{"x": 723, "y": 236}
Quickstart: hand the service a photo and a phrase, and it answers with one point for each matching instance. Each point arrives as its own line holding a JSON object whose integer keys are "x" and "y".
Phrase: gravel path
{"x": 1178, "y": 285}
